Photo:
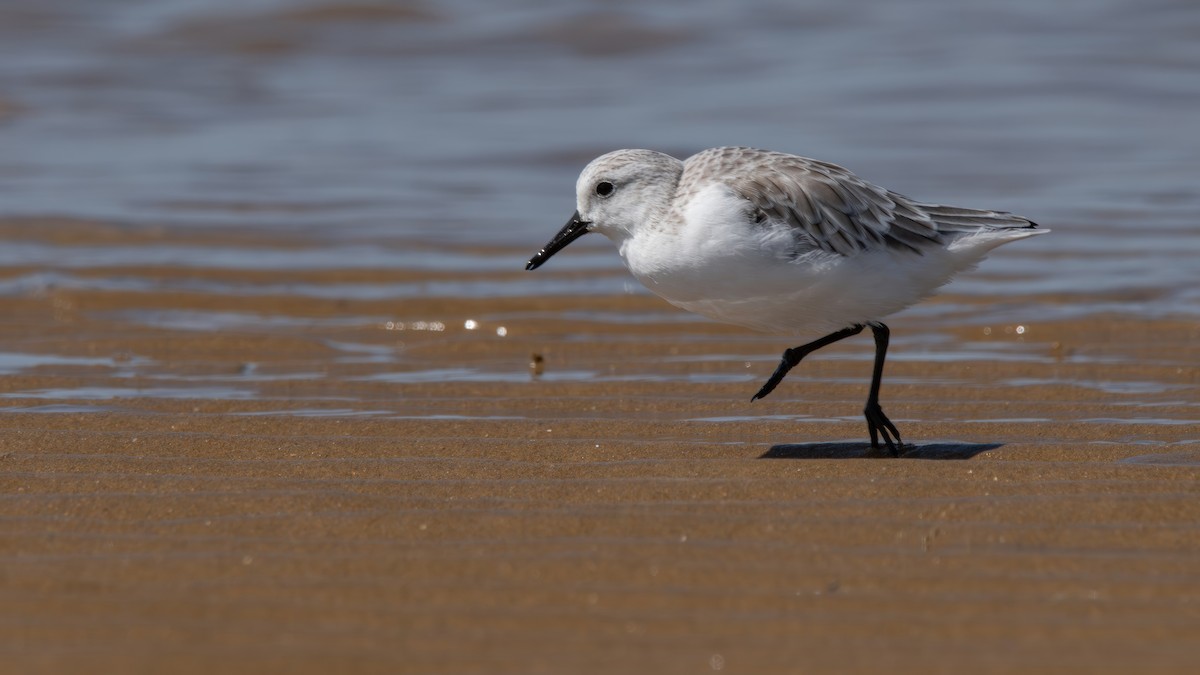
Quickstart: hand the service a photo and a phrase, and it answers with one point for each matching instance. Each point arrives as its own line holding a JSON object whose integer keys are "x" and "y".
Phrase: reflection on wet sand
{"x": 220, "y": 460}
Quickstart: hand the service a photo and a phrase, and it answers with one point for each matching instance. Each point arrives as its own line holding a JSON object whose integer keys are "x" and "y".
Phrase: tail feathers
{"x": 953, "y": 219}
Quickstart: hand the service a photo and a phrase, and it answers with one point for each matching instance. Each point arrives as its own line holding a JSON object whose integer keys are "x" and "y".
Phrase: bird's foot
{"x": 879, "y": 425}
{"x": 766, "y": 389}
{"x": 785, "y": 365}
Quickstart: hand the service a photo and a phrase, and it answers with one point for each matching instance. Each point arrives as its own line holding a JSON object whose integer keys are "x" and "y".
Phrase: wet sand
{"x": 280, "y": 478}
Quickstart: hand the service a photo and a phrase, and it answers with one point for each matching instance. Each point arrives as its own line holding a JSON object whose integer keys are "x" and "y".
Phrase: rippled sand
{"x": 207, "y": 463}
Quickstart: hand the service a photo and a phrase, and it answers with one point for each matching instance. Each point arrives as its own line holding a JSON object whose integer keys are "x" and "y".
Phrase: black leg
{"x": 793, "y": 356}
{"x": 877, "y": 423}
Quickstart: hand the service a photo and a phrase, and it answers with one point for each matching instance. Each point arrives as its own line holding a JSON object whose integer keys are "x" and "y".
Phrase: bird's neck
{"x": 653, "y": 211}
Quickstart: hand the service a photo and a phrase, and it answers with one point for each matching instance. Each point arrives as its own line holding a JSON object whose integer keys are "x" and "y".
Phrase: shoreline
{"x": 249, "y": 481}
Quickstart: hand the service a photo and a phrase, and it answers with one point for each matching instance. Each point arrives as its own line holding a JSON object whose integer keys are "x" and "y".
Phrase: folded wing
{"x": 830, "y": 209}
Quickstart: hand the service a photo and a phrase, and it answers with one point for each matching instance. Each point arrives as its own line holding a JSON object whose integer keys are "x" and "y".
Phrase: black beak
{"x": 574, "y": 229}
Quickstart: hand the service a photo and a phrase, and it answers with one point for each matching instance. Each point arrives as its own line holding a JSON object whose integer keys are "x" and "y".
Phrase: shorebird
{"x": 780, "y": 243}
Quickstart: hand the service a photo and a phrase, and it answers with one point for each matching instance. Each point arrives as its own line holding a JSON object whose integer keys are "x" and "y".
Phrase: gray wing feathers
{"x": 831, "y": 209}
{"x": 955, "y": 219}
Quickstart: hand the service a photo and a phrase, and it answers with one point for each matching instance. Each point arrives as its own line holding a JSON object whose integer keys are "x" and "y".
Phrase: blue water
{"x": 464, "y": 122}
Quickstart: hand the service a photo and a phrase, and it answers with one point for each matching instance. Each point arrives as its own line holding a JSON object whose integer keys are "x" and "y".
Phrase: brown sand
{"x": 646, "y": 518}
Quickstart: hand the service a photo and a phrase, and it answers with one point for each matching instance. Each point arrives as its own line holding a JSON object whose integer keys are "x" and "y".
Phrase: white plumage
{"x": 779, "y": 243}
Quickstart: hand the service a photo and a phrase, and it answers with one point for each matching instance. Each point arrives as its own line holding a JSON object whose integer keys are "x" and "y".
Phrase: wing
{"x": 830, "y": 209}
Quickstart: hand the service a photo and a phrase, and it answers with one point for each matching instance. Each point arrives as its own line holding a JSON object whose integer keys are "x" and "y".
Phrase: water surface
{"x": 343, "y": 174}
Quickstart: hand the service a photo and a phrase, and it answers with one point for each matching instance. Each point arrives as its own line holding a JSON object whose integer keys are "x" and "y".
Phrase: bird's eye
{"x": 605, "y": 188}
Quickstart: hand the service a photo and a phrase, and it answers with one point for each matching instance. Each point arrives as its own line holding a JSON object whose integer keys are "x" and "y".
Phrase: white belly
{"x": 816, "y": 294}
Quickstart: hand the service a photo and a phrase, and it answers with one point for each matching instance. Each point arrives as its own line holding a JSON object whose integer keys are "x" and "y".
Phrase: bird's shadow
{"x": 864, "y": 450}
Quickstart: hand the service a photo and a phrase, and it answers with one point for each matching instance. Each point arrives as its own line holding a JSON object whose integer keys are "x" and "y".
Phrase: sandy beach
{"x": 277, "y": 395}
{"x": 292, "y": 480}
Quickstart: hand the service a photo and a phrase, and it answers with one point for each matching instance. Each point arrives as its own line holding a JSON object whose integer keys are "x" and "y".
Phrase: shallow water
{"x": 450, "y": 124}
{"x": 363, "y": 184}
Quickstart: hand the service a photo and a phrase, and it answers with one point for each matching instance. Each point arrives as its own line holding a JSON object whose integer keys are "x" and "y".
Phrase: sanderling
{"x": 780, "y": 243}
